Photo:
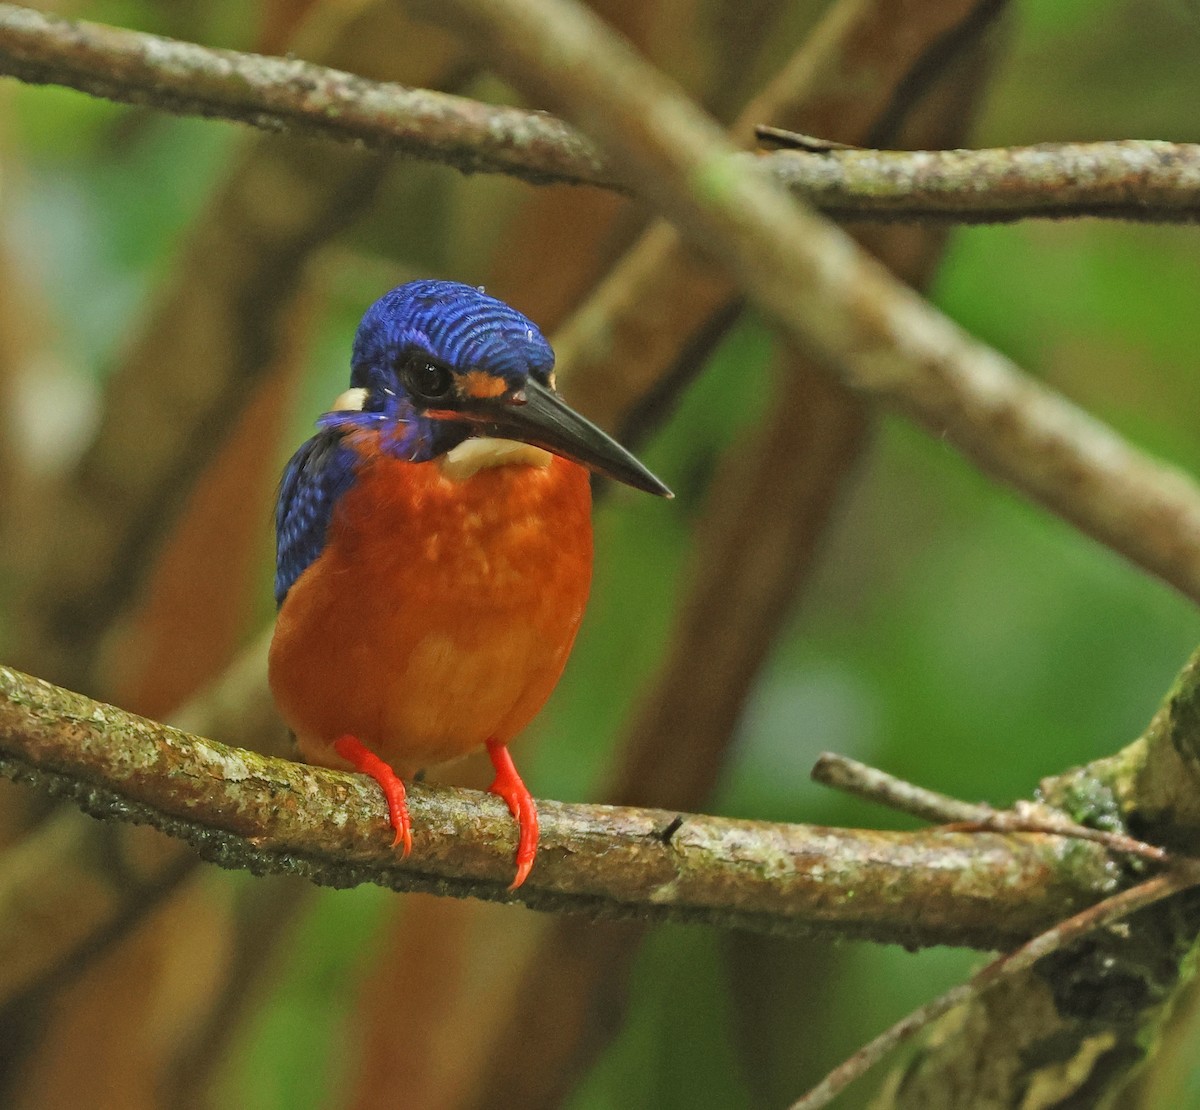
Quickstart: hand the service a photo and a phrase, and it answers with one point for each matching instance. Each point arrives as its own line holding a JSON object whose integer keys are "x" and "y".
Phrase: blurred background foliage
{"x": 951, "y": 633}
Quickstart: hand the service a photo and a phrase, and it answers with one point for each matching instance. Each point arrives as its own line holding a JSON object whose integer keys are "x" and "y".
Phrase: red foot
{"x": 509, "y": 786}
{"x": 368, "y": 763}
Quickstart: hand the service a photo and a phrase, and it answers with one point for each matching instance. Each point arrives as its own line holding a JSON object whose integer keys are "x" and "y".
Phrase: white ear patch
{"x": 474, "y": 455}
{"x": 350, "y": 401}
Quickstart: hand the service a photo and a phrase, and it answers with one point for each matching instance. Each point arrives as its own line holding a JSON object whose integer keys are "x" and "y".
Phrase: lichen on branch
{"x": 1129, "y": 179}
{"x": 241, "y": 809}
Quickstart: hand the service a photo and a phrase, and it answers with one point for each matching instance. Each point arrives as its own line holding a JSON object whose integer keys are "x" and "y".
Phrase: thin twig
{"x": 852, "y": 777}
{"x": 1183, "y": 875}
{"x": 849, "y": 775}
{"x": 781, "y": 138}
{"x": 1029, "y": 817}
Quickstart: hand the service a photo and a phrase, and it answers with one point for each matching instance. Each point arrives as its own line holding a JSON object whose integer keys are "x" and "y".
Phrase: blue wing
{"x": 315, "y": 477}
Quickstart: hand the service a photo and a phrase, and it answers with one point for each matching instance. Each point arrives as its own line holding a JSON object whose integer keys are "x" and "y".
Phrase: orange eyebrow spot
{"x": 479, "y": 383}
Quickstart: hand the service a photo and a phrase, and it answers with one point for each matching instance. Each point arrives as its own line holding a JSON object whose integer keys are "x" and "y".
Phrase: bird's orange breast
{"x": 440, "y": 613}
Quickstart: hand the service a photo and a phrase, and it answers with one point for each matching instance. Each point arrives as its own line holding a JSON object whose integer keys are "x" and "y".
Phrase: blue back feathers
{"x": 456, "y": 325}
{"x": 315, "y": 477}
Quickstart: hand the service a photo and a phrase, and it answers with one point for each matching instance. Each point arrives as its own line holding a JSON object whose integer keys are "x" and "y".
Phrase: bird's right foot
{"x": 521, "y": 805}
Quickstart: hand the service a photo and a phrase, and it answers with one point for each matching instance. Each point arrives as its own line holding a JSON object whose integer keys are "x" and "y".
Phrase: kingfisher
{"x": 434, "y": 548}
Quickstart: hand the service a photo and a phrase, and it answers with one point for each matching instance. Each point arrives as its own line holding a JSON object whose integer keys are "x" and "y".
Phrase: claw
{"x": 367, "y": 762}
{"x": 508, "y": 785}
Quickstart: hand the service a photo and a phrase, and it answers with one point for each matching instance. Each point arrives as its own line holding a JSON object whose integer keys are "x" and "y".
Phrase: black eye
{"x": 426, "y": 379}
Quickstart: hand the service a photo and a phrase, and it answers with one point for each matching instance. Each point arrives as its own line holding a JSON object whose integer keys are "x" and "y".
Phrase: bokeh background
{"x": 949, "y": 631}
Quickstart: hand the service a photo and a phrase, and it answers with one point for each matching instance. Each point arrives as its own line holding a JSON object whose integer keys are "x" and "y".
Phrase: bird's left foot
{"x": 365, "y": 761}
{"x": 509, "y": 786}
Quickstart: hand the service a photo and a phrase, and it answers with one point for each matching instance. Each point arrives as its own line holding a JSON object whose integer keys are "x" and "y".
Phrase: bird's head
{"x": 437, "y": 362}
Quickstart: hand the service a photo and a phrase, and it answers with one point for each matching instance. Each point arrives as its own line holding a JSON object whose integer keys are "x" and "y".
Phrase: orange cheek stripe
{"x": 476, "y": 383}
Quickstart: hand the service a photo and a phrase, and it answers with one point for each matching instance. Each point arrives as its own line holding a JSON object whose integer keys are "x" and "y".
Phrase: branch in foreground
{"x": 1130, "y": 180}
{"x": 643, "y": 332}
{"x": 240, "y": 809}
{"x": 880, "y": 337}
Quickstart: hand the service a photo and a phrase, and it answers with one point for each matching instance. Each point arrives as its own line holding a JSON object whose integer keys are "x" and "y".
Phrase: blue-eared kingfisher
{"x": 434, "y": 547}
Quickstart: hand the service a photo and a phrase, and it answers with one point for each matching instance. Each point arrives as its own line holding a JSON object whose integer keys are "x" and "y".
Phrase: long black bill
{"x": 547, "y": 421}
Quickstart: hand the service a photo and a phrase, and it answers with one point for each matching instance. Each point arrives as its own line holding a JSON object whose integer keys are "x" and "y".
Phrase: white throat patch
{"x": 474, "y": 455}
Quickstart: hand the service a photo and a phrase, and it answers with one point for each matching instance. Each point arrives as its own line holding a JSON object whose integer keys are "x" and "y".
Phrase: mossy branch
{"x": 1130, "y": 179}
{"x": 244, "y": 810}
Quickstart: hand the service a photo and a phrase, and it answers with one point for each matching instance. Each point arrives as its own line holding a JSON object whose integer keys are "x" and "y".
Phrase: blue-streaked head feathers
{"x": 453, "y": 324}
